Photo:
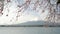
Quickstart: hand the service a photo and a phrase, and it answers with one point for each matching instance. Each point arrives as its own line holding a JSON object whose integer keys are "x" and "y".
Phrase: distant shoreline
{"x": 29, "y": 25}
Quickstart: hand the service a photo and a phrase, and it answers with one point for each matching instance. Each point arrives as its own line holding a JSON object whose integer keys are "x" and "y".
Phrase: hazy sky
{"x": 28, "y": 15}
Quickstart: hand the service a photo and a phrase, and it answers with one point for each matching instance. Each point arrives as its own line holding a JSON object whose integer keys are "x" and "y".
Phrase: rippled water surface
{"x": 29, "y": 30}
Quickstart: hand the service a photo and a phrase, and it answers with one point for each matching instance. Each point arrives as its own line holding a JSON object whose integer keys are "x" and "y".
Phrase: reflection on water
{"x": 29, "y": 30}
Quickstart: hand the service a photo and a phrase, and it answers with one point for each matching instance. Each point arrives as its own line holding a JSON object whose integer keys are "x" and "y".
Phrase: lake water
{"x": 29, "y": 30}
